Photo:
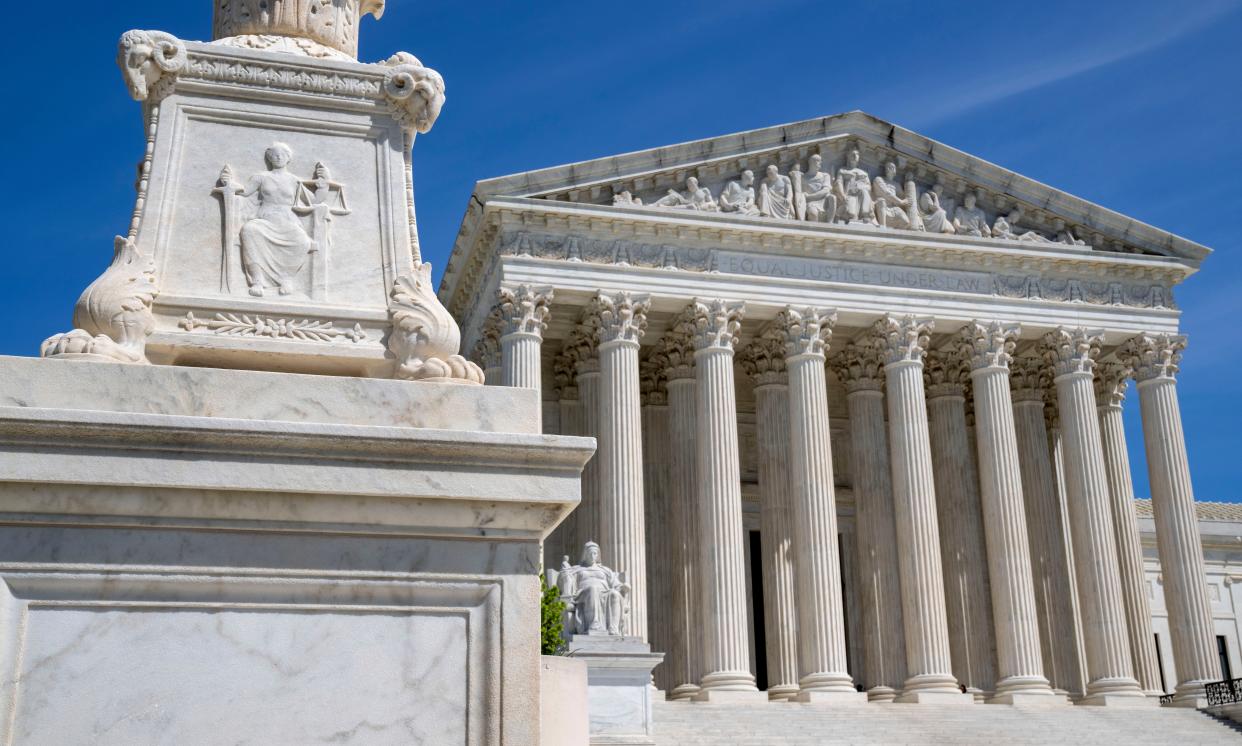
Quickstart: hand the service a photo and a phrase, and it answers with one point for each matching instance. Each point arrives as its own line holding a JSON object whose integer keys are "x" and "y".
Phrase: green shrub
{"x": 551, "y": 627}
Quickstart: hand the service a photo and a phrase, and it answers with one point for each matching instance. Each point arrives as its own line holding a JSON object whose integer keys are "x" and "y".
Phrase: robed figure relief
{"x": 277, "y": 228}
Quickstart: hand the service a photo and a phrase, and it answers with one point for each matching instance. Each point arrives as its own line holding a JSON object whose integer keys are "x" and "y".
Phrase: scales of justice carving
{"x": 596, "y": 597}
{"x": 852, "y": 196}
{"x": 278, "y": 228}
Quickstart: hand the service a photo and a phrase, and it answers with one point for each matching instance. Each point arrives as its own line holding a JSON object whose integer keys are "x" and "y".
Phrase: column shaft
{"x": 777, "y": 534}
{"x": 588, "y": 523}
{"x": 1014, "y": 610}
{"x": 1110, "y": 393}
{"x": 1110, "y": 672}
{"x": 660, "y": 531}
{"x": 685, "y": 649}
{"x": 1155, "y": 360}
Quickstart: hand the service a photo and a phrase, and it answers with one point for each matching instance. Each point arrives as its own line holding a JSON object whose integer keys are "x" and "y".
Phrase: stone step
{"x": 786, "y": 724}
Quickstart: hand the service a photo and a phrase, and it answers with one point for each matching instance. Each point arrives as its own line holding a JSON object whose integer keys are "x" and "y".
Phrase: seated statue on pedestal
{"x": 596, "y": 597}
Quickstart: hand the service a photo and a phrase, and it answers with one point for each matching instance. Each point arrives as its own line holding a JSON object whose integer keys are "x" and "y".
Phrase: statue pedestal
{"x": 618, "y": 687}
{"x": 192, "y": 555}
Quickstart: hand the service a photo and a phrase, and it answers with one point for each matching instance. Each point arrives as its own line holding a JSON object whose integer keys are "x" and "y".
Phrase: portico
{"x": 870, "y": 372}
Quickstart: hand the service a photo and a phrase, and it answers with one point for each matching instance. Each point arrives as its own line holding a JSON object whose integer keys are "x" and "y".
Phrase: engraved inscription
{"x": 825, "y": 270}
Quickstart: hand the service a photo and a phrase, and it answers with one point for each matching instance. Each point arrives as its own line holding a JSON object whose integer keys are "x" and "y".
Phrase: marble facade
{"x": 886, "y": 349}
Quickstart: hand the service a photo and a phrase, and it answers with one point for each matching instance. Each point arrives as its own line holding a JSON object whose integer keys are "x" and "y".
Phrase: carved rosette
{"x": 902, "y": 339}
{"x": 425, "y": 339}
{"x": 1072, "y": 351}
{"x": 716, "y": 324}
{"x": 989, "y": 345}
{"x": 946, "y": 372}
{"x": 859, "y": 367}
{"x": 316, "y": 28}
{"x": 763, "y": 360}
{"x": 1110, "y": 384}
{"x": 805, "y": 331}
{"x": 621, "y": 318}
{"x": 1028, "y": 378}
{"x": 415, "y": 92}
{"x": 524, "y": 310}
{"x": 1154, "y": 356}
{"x": 150, "y": 61}
{"x": 113, "y": 317}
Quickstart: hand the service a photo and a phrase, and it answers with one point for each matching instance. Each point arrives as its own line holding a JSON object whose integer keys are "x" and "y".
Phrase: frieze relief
{"x": 868, "y": 187}
{"x": 625, "y": 252}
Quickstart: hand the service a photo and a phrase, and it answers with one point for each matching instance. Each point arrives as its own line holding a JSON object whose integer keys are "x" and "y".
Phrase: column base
{"x": 831, "y": 698}
{"x": 1117, "y": 700}
{"x": 726, "y": 697}
{"x": 881, "y": 694}
{"x": 782, "y": 693}
{"x": 980, "y": 696}
{"x": 933, "y": 697}
{"x": 683, "y": 692}
{"x": 1190, "y": 694}
{"x": 1030, "y": 699}
{"x": 1187, "y": 702}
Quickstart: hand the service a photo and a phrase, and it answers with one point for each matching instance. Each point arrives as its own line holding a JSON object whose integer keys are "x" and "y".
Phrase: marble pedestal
{"x": 212, "y": 556}
{"x": 618, "y": 687}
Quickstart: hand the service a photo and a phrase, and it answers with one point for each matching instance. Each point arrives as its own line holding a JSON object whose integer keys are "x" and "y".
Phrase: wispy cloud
{"x": 1072, "y": 56}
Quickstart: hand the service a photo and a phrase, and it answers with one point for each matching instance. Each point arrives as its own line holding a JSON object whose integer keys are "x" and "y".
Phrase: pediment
{"x": 926, "y": 177}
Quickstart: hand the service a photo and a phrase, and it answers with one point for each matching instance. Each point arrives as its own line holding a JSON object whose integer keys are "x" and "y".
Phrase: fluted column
{"x": 1058, "y": 622}
{"x": 726, "y": 649}
{"x": 904, "y": 341}
{"x": 622, "y": 320}
{"x": 959, "y": 513}
{"x": 659, "y": 519}
{"x": 561, "y": 544}
{"x": 685, "y": 653}
{"x": 1155, "y": 360}
{"x": 861, "y": 369}
{"x": 764, "y": 362}
{"x": 1110, "y": 392}
{"x": 582, "y": 349}
{"x": 1110, "y": 672}
{"x": 817, "y": 561}
{"x": 1019, "y": 655}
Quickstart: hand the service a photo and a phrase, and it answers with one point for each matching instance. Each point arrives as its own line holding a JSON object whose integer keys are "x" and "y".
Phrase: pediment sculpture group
{"x": 851, "y": 197}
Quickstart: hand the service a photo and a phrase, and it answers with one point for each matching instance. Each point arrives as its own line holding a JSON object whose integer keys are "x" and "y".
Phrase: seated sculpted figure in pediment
{"x": 969, "y": 220}
{"x": 694, "y": 198}
{"x": 739, "y": 196}
{"x": 854, "y": 188}
{"x": 776, "y": 195}
{"x": 596, "y": 597}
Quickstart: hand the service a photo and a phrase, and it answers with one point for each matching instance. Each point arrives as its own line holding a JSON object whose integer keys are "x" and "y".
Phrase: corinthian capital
{"x": 653, "y": 378}
{"x": 764, "y": 360}
{"x": 1110, "y": 384}
{"x": 716, "y": 324}
{"x": 946, "y": 372}
{"x": 805, "y": 331}
{"x": 859, "y": 367}
{"x": 676, "y": 349}
{"x": 486, "y": 351}
{"x": 621, "y": 317}
{"x": 524, "y": 310}
{"x": 581, "y": 347}
{"x": 1028, "y": 377}
{"x": 902, "y": 338}
{"x": 1070, "y": 351}
{"x": 1153, "y": 356}
{"x": 989, "y": 345}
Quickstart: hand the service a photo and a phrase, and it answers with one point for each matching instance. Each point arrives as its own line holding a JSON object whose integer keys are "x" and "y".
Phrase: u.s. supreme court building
{"x": 858, "y": 398}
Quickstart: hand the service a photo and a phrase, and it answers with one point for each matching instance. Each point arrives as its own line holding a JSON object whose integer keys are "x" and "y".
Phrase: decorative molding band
{"x": 247, "y": 325}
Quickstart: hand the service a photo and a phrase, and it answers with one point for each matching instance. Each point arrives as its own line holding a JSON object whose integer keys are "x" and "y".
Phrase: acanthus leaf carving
{"x": 113, "y": 317}
{"x": 902, "y": 338}
{"x": 763, "y": 360}
{"x": 1072, "y": 351}
{"x": 860, "y": 367}
{"x": 716, "y": 324}
{"x": 1028, "y": 378}
{"x": 989, "y": 344}
{"x": 1153, "y": 356}
{"x": 524, "y": 310}
{"x": 425, "y": 339}
{"x": 1110, "y": 383}
{"x": 805, "y": 331}
{"x": 621, "y": 317}
{"x": 247, "y": 325}
{"x": 147, "y": 58}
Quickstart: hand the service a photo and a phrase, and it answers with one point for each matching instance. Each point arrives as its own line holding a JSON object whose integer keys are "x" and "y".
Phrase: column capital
{"x": 582, "y": 346}
{"x": 1072, "y": 351}
{"x": 903, "y": 339}
{"x": 676, "y": 349}
{"x": 764, "y": 360}
{"x": 859, "y": 367}
{"x": 565, "y": 377}
{"x": 653, "y": 378}
{"x": 716, "y": 323}
{"x": 1110, "y": 384}
{"x": 989, "y": 345}
{"x": 1153, "y": 356}
{"x": 524, "y": 310}
{"x": 805, "y": 330}
{"x": 620, "y": 317}
{"x": 1028, "y": 379}
{"x": 946, "y": 372}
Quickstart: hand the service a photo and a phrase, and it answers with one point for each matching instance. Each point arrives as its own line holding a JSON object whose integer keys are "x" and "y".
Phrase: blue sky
{"x": 1134, "y": 105}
